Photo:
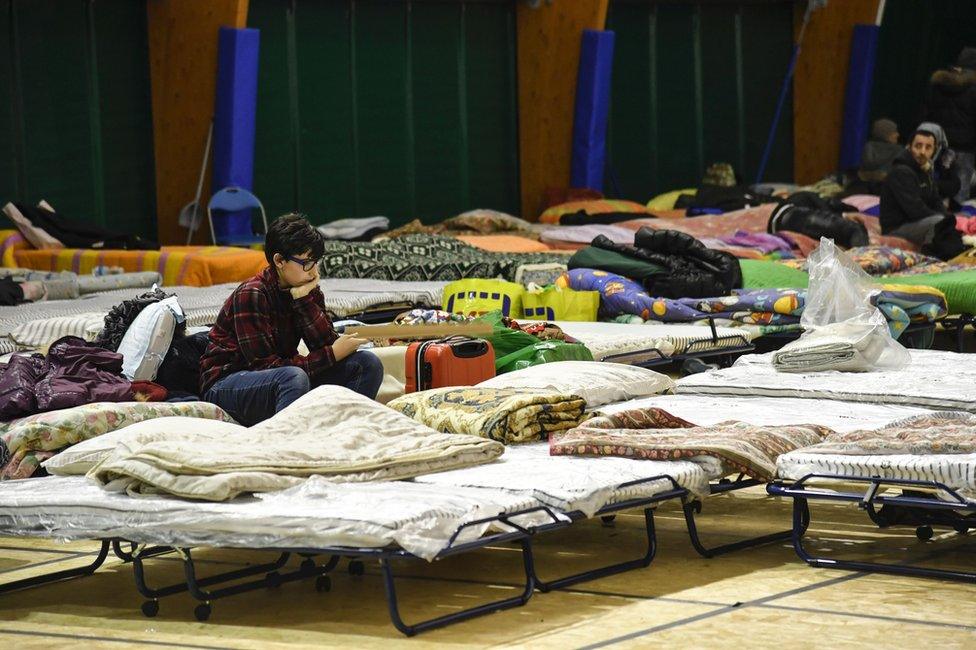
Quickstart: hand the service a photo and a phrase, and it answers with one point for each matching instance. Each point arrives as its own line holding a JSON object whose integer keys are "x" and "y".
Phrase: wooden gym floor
{"x": 755, "y": 598}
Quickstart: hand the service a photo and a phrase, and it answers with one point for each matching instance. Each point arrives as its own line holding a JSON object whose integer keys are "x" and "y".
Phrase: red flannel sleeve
{"x": 254, "y": 329}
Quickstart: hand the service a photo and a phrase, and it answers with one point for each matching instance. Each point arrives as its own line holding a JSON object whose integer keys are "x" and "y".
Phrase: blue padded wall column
{"x": 857, "y": 98}
{"x": 235, "y": 109}
{"x": 592, "y": 109}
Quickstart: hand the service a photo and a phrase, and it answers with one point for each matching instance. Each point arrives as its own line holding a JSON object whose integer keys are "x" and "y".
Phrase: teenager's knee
{"x": 293, "y": 382}
{"x": 371, "y": 372}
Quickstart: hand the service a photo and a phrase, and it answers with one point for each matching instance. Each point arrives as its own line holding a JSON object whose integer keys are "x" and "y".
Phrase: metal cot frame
{"x": 214, "y": 587}
{"x": 955, "y": 512}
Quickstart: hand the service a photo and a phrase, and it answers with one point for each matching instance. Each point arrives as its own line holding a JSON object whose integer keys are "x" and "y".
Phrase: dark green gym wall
{"x": 75, "y": 116}
{"x": 696, "y": 82}
{"x": 406, "y": 109}
{"x": 917, "y": 37}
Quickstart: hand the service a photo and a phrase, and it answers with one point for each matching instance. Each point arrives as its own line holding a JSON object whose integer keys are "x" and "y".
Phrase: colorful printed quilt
{"x": 945, "y": 432}
{"x": 885, "y": 260}
{"x": 504, "y": 414}
{"x": 620, "y": 295}
{"x": 422, "y": 257}
{"x": 902, "y": 305}
{"x": 654, "y": 434}
{"x": 27, "y": 442}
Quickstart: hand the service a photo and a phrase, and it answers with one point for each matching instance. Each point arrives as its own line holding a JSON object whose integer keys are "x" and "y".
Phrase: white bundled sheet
{"x": 316, "y": 514}
{"x": 605, "y": 339}
{"x": 352, "y": 296}
{"x": 705, "y": 410}
{"x": 569, "y": 483}
{"x": 933, "y": 379}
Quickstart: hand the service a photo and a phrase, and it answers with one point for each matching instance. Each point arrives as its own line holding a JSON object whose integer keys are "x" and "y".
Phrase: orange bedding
{"x": 505, "y": 243}
{"x": 194, "y": 266}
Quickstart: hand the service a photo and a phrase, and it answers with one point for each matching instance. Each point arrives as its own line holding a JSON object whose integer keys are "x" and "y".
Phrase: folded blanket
{"x": 942, "y": 432}
{"x": 331, "y": 431}
{"x": 655, "y": 434}
{"x": 844, "y": 347}
{"x": 504, "y": 414}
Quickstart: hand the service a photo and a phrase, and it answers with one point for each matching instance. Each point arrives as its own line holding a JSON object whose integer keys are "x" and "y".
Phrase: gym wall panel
{"x": 77, "y": 116}
{"x": 399, "y": 108}
{"x": 696, "y": 82}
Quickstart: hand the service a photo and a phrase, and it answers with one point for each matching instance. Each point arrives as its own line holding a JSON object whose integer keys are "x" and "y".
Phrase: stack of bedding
{"x": 507, "y": 415}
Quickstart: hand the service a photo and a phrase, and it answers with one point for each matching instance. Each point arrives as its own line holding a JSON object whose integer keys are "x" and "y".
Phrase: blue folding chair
{"x": 230, "y": 212}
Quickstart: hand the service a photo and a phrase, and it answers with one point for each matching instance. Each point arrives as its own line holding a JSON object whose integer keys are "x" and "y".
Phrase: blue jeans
{"x": 251, "y": 396}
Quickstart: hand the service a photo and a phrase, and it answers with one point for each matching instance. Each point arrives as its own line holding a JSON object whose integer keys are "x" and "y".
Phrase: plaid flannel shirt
{"x": 259, "y": 327}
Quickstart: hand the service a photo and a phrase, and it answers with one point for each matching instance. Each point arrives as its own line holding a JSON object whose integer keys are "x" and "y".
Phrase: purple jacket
{"x": 74, "y": 373}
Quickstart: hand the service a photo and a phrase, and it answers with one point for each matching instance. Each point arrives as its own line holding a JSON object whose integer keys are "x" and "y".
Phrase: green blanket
{"x": 959, "y": 287}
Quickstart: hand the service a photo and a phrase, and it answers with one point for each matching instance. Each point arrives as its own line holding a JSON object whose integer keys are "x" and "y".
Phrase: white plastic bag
{"x": 842, "y": 329}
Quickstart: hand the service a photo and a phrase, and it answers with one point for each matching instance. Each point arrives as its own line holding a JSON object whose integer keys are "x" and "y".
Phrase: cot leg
{"x": 272, "y": 579}
{"x": 612, "y": 569}
{"x": 456, "y": 617}
{"x": 58, "y": 576}
{"x": 151, "y": 606}
{"x": 695, "y": 507}
{"x": 801, "y": 515}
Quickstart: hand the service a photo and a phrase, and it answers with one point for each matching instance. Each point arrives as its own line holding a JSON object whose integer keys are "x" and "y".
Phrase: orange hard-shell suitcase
{"x": 454, "y": 361}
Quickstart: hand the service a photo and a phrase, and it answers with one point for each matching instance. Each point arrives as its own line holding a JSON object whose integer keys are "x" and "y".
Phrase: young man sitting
{"x": 252, "y": 368}
{"x": 911, "y": 206}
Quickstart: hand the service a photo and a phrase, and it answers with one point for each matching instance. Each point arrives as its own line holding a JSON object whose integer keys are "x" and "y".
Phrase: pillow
{"x": 78, "y": 459}
{"x": 602, "y": 206}
{"x": 487, "y": 221}
{"x": 597, "y": 383}
{"x": 148, "y": 338}
{"x": 667, "y": 200}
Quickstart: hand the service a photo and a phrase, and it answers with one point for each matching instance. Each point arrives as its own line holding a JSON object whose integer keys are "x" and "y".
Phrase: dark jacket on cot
{"x": 74, "y": 373}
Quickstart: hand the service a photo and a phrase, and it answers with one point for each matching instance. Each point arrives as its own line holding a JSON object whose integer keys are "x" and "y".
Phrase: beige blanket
{"x": 330, "y": 432}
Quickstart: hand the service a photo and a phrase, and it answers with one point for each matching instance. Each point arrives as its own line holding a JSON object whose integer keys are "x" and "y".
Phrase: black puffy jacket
{"x": 951, "y": 103}
{"x": 908, "y": 194}
{"x": 693, "y": 271}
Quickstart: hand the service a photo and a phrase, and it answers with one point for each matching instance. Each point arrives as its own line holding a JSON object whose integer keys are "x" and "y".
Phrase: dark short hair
{"x": 291, "y": 235}
{"x": 927, "y": 134}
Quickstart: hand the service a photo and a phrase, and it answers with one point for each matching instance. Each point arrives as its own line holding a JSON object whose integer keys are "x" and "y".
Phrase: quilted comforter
{"x": 654, "y": 434}
{"x": 331, "y": 432}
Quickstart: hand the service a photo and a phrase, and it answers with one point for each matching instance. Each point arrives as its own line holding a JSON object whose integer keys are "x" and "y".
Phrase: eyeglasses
{"x": 307, "y": 265}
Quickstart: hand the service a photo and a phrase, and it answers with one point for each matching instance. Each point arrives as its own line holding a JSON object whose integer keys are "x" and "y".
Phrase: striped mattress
{"x": 934, "y": 380}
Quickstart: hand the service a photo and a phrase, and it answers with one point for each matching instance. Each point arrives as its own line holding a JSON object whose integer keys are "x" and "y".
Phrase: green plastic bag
{"x": 503, "y": 339}
{"x": 542, "y": 352}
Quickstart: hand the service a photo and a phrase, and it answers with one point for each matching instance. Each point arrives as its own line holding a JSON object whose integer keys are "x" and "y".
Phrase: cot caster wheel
{"x": 307, "y": 566}
{"x": 962, "y": 529}
{"x": 323, "y": 584}
{"x": 608, "y": 520}
{"x": 273, "y": 579}
{"x": 150, "y": 608}
{"x": 697, "y": 507}
{"x": 356, "y": 568}
{"x": 202, "y": 612}
{"x": 924, "y": 533}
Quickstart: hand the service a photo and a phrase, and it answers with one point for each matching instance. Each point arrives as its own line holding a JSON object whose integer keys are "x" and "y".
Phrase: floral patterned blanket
{"x": 27, "y": 442}
{"x": 504, "y": 414}
{"x": 945, "y": 432}
{"x": 655, "y": 434}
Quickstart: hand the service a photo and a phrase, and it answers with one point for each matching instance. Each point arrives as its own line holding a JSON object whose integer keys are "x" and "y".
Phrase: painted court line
{"x": 84, "y": 637}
